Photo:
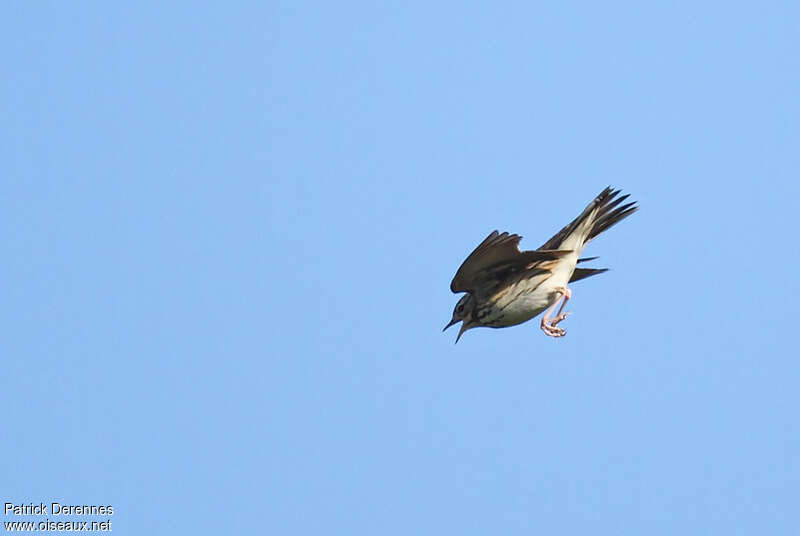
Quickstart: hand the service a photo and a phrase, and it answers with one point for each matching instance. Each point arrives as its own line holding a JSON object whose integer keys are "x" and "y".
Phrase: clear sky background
{"x": 228, "y": 233}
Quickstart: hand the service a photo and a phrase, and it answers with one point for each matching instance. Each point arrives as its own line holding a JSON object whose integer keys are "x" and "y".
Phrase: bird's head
{"x": 463, "y": 311}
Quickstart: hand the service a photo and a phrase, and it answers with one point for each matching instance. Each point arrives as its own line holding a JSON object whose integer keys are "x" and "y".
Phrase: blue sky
{"x": 229, "y": 233}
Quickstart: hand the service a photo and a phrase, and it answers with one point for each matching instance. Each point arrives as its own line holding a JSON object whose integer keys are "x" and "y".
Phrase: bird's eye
{"x": 460, "y": 309}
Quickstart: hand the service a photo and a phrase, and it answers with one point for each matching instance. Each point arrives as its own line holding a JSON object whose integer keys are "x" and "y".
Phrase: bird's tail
{"x": 601, "y": 214}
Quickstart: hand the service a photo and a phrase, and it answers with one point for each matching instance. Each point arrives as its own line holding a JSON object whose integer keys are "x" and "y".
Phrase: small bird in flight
{"x": 505, "y": 286}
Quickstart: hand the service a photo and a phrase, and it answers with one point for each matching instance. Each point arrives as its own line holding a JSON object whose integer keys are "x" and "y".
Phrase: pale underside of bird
{"x": 505, "y": 286}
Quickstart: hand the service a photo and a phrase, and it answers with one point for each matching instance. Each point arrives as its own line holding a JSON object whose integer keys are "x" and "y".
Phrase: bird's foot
{"x": 550, "y": 326}
{"x": 551, "y": 330}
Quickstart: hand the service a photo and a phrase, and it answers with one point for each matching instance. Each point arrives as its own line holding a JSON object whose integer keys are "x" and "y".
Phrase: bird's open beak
{"x": 464, "y": 328}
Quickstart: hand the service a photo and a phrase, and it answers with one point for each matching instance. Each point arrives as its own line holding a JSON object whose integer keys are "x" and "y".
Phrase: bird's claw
{"x": 551, "y": 330}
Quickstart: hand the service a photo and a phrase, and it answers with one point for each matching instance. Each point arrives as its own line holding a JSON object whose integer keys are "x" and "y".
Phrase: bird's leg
{"x": 567, "y": 293}
{"x": 550, "y": 326}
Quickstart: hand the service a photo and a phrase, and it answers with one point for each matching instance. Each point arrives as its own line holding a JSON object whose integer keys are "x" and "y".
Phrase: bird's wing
{"x": 599, "y": 215}
{"x": 495, "y": 259}
{"x": 583, "y": 273}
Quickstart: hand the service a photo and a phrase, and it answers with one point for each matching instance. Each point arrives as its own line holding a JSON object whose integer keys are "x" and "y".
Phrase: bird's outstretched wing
{"x": 497, "y": 257}
{"x": 602, "y": 213}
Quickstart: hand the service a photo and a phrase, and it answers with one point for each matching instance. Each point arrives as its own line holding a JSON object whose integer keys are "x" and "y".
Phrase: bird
{"x": 505, "y": 286}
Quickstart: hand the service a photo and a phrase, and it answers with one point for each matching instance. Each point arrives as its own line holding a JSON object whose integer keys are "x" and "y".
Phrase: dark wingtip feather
{"x": 587, "y": 259}
{"x": 610, "y": 214}
{"x": 583, "y": 273}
